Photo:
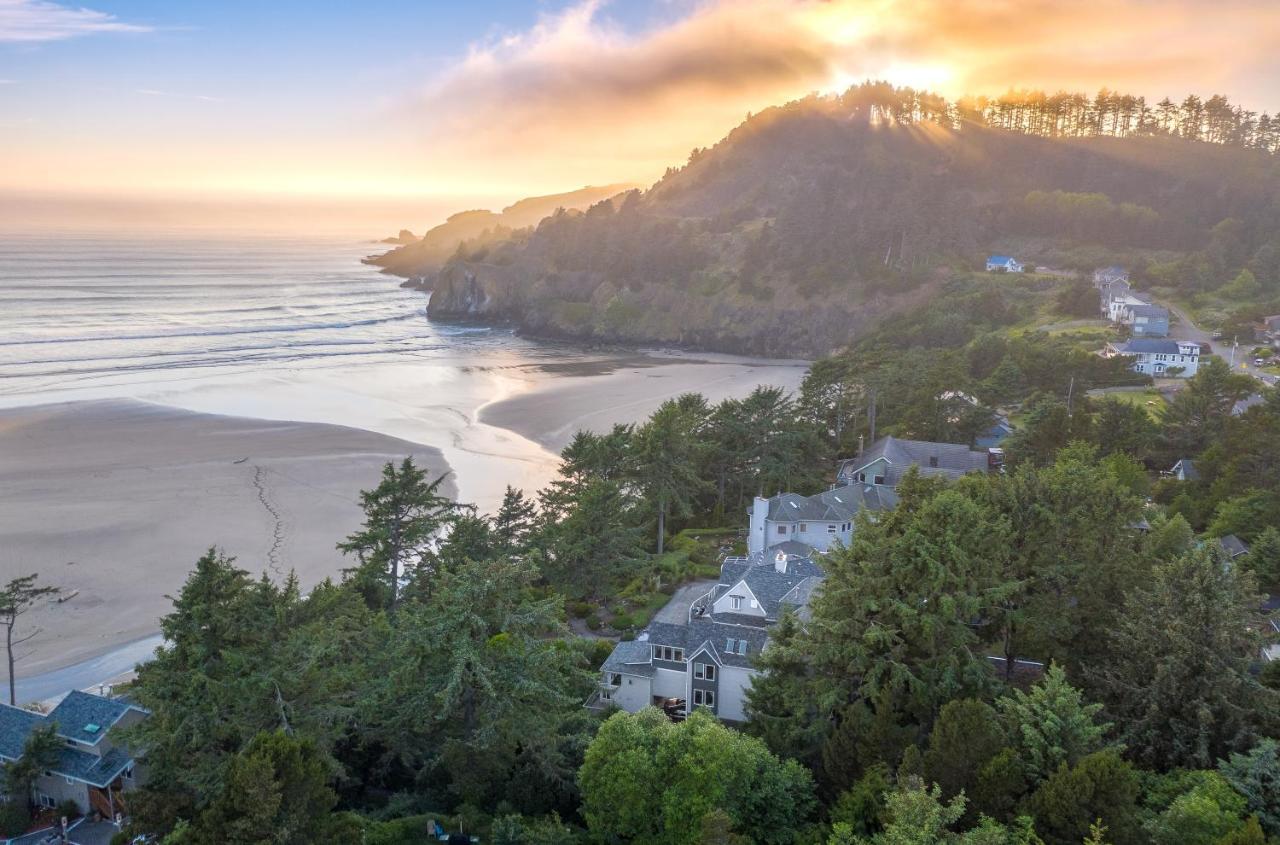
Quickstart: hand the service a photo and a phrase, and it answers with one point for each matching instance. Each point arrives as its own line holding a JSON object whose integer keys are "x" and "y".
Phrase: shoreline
{"x": 594, "y": 395}
{"x": 111, "y": 472}
{"x": 113, "y": 501}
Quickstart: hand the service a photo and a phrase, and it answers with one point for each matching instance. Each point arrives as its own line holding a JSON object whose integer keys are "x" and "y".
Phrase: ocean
{"x": 274, "y": 326}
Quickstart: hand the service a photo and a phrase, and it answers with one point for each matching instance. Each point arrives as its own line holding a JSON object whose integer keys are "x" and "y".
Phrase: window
{"x": 697, "y": 696}
{"x": 47, "y": 801}
{"x": 736, "y": 601}
{"x": 933, "y": 461}
{"x": 804, "y": 526}
{"x": 782, "y": 529}
{"x": 606, "y": 695}
{"x": 704, "y": 698}
{"x": 879, "y": 479}
{"x": 679, "y": 657}
{"x": 729, "y": 645}
{"x": 710, "y": 672}
{"x": 697, "y": 670}
{"x": 831, "y": 528}
{"x": 742, "y": 646}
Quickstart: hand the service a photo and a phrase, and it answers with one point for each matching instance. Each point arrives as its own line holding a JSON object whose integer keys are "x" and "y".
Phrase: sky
{"x": 449, "y": 103}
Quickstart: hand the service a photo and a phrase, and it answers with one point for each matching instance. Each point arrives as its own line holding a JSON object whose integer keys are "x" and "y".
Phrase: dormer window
{"x": 736, "y": 601}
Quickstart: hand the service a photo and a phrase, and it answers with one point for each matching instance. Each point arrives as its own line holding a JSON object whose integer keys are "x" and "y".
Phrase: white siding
{"x": 668, "y": 683}
{"x": 633, "y": 694}
{"x": 733, "y": 693}
{"x": 750, "y": 604}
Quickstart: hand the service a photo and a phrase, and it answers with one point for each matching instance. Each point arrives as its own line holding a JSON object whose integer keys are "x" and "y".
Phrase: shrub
{"x": 593, "y": 622}
{"x": 580, "y": 609}
{"x": 67, "y": 808}
{"x": 14, "y": 818}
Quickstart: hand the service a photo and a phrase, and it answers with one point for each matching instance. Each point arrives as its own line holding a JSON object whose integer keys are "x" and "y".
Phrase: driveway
{"x": 676, "y": 611}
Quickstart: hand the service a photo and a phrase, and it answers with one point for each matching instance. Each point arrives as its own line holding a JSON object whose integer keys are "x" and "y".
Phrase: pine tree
{"x": 515, "y": 521}
{"x": 402, "y": 517}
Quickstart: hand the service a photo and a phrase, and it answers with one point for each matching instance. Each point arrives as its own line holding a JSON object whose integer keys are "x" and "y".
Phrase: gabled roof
{"x": 1189, "y": 471}
{"x": 15, "y": 724}
{"x": 1000, "y": 259}
{"x": 1247, "y": 403}
{"x": 837, "y": 505}
{"x": 1146, "y": 310}
{"x": 86, "y": 718}
{"x": 79, "y": 709}
{"x": 1233, "y": 546}
{"x": 952, "y": 459}
{"x": 630, "y": 657}
{"x": 1150, "y": 346}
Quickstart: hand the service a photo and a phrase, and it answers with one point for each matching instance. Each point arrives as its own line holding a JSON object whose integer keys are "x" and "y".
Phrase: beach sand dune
{"x": 116, "y": 500}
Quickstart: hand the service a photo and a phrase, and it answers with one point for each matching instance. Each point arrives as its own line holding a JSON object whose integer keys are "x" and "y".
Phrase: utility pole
{"x": 1235, "y": 341}
{"x": 1071, "y": 388}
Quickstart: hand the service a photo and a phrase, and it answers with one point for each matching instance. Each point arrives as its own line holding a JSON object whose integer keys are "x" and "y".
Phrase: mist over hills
{"x": 814, "y": 220}
{"x": 420, "y": 257}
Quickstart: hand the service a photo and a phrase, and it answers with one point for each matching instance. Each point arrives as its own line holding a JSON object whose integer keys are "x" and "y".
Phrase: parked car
{"x": 1258, "y": 362}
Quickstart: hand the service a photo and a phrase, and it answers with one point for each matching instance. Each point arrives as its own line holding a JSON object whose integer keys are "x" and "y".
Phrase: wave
{"x": 223, "y": 332}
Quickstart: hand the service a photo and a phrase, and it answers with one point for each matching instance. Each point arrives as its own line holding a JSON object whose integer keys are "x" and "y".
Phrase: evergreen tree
{"x": 966, "y": 736}
{"x": 1100, "y": 789}
{"x": 1177, "y": 680}
{"x": 593, "y": 541}
{"x": 1051, "y": 725}
{"x": 514, "y": 523}
{"x": 402, "y": 517}
{"x": 1256, "y": 776}
{"x": 16, "y": 598}
{"x": 665, "y": 460}
{"x": 1264, "y": 557}
{"x": 778, "y": 705}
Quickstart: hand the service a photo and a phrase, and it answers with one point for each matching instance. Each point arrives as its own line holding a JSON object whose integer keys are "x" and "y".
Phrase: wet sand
{"x": 597, "y": 394}
{"x": 116, "y": 500}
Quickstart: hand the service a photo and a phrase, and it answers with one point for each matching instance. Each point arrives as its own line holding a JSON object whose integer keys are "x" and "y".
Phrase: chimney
{"x": 780, "y": 561}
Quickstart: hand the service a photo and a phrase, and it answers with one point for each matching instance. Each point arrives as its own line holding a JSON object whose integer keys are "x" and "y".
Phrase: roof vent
{"x": 91, "y": 728}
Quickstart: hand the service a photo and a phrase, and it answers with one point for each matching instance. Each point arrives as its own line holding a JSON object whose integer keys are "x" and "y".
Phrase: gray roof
{"x": 838, "y": 505}
{"x": 1148, "y": 346}
{"x": 87, "y": 718}
{"x": 771, "y": 587}
{"x": 1148, "y": 311}
{"x": 1247, "y": 403}
{"x": 630, "y": 657}
{"x": 951, "y": 460}
{"x": 1189, "y": 471}
{"x": 1233, "y": 546}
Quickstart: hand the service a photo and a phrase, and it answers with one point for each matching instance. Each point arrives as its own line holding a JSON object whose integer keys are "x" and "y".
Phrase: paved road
{"x": 88, "y": 673}
{"x": 1221, "y": 348}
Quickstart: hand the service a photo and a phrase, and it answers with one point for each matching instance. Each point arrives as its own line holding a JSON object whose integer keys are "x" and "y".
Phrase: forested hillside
{"x": 417, "y": 258}
{"x": 812, "y": 221}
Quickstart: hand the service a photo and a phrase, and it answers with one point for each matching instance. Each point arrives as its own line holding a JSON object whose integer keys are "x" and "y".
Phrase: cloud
{"x": 38, "y": 20}
{"x": 578, "y": 94}
{"x": 153, "y": 92}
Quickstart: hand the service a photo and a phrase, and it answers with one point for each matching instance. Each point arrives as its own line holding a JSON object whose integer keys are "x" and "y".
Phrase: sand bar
{"x": 595, "y": 395}
{"x": 117, "y": 499}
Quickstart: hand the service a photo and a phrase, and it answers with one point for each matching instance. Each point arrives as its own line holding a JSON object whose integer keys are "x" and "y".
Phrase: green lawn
{"x": 1150, "y": 400}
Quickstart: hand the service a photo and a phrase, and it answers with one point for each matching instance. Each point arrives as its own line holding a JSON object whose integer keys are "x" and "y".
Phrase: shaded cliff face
{"x": 813, "y": 221}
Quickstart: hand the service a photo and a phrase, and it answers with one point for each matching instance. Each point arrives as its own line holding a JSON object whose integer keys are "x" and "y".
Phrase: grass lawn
{"x": 1149, "y": 400}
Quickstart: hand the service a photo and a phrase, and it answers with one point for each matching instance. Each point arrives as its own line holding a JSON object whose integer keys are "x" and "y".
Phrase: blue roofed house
{"x": 1002, "y": 264}
{"x": 1156, "y": 357}
{"x": 93, "y": 768}
{"x": 995, "y": 435}
{"x": 1145, "y": 320}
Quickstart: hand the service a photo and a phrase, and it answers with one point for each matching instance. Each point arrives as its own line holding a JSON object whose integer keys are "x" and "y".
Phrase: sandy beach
{"x": 115, "y": 500}
{"x": 597, "y": 394}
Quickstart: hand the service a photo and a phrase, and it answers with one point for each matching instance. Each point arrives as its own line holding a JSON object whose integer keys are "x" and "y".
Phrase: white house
{"x": 706, "y": 658}
{"x": 885, "y": 462}
{"x": 817, "y": 521}
{"x": 1156, "y": 357}
{"x": 1002, "y": 264}
{"x": 1109, "y": 275}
